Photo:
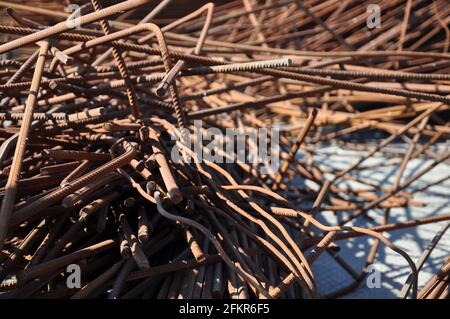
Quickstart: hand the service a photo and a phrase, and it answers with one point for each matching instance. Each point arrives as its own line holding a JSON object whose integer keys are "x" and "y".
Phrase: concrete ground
{"x": 393, "y": 268}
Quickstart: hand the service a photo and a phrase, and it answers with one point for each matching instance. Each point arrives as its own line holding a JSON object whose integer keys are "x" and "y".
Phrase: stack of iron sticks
{"x": 91, "y": 121}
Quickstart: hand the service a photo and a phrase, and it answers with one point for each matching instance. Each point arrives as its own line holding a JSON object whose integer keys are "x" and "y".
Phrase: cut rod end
{"x": 175, "y": 196}
{"x": 162, "y": 89}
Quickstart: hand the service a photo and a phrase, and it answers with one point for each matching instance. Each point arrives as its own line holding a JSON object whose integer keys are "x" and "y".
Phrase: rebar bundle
{"x": 111, "y": 161}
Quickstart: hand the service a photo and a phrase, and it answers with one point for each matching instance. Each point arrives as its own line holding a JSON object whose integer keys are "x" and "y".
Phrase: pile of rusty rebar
{"x": 94, "y": 108}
